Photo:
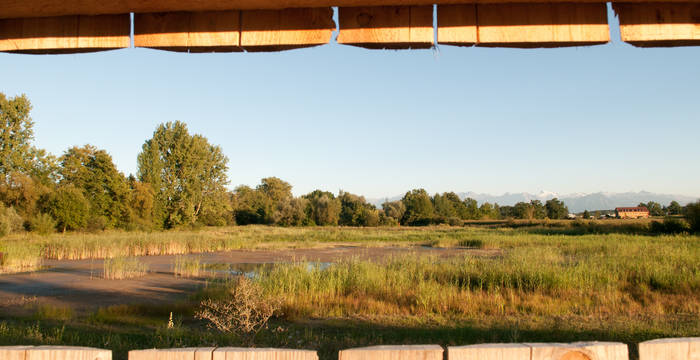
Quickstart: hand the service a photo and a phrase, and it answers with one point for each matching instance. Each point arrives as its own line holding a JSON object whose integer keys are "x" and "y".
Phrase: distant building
{"x": 638, "y": 212}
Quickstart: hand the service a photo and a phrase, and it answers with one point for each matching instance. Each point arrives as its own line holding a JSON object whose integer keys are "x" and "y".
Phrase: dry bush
{"x": 245, "y": 312}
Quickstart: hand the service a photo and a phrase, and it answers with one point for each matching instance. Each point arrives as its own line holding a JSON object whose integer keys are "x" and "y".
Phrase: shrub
{"x": 669, "y": 226}
{"x": 42, "y": 224}
{"x": 9, "y": 221}
{"x": 245, "y": 312}
{"x": 96, "y": 224}
{"x": 692, "y": 214}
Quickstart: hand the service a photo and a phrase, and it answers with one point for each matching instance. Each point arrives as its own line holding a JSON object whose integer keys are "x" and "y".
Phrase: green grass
{"x": 185, "y": 266}
{"x": 534, "y": 286}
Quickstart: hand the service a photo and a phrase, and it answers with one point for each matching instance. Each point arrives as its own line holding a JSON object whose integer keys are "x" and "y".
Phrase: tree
{"x": 275, "y": 189}
{"x": 692, "y": 214}
{"x": 68, "y": 207}
{"x": 419, "y": 208}
{"x": 523, "y": 210}
{"x": 16, "y": 134}
{"x": 470, "y": 210}
{"x": 355, "y": 211}
{"x": 488, "y": 211}
{"x": 323, "y": 208}
{"x": 556, "y": 209}
{"x": 655, "y": 209}
{"x": 291, "y": 212}
{"x": 394, "y": 209}
{"x": 106, "y": 189}
{"x": 188, "y": 175}
{"x": 586, "y": 214}
{"x": 538, "y": 209}
{"x": 674, "y": 208}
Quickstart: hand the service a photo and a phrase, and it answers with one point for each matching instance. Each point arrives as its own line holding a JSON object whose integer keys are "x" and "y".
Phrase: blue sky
{"x": 606, "y": 118}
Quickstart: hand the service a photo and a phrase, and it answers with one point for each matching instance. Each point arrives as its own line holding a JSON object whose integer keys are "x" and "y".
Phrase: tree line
{"x": 181, "y": 181}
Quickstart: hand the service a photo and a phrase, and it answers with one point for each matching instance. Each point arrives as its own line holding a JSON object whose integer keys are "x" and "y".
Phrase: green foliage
{"x": 42, "y": 224}
{"x": 419, "y": 208}
{"x": 655, "y": 209}
{"x": 692, "y": 214}
{"x": 68, "y": 206}
{"x": 556, "y": 209}
{"x": 586, "y": 215}
{"x": 105, "y": 188}
{"x": 10, "y": 222}
{"x": 291, "y": 212}
{"x": 188, "y": 175}
{"x": 355, "y": 211}
{"x": 16, "y": 134}
{"x": 394, "y": 210}
{"x": 323, "y": 208}
{"x": 674, "y": 208}
{"x": 670, "y": 225}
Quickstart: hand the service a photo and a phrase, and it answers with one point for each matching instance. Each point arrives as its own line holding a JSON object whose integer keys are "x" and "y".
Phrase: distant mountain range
{"x": 575, "y": 202}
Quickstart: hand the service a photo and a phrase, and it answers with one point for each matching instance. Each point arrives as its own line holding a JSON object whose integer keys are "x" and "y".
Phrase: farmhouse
{"x": 632, "y": 212}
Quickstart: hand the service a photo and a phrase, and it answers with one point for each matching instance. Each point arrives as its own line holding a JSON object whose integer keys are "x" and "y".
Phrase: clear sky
{"x": 605, "y": 118}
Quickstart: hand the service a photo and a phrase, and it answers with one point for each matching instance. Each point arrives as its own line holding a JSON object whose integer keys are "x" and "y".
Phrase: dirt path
{"x": 79, "y": 283}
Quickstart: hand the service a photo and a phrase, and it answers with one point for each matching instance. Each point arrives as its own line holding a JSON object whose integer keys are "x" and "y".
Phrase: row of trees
{"x": 181, "y": 181}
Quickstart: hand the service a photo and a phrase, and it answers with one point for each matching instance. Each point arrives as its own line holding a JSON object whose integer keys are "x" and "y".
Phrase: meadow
{"x": 541, "y": 282}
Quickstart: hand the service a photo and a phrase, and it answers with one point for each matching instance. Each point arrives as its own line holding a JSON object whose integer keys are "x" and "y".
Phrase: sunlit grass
{"x": 120, "y": 268}
{"x": 185, "y": 266}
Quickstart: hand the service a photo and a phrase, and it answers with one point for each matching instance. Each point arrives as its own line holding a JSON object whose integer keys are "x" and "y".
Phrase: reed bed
{"x": 185, "y": 266}
{"x": 120, "y": 268}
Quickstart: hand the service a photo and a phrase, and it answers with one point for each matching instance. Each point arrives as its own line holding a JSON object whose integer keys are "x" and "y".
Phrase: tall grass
{"x": 119, "y": 268}
{"x": 185, "y": 266}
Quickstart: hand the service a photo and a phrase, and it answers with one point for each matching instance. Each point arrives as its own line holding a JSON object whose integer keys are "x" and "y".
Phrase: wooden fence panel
{"x": 275, "y": 30}
{"x": 670, "y": 349}
{"x": 542, "y": 25}
{"x": 386, "y": 27}
{"x": 65, "y": 34}
{"x": 211, "y": 31}
{"x": 231, "y": 353}
{"x": 389, "y": 352}
{"x": 659, "y": 24}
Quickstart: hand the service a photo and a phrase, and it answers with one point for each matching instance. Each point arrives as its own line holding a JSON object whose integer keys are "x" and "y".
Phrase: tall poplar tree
{"x": 187, "y": 174}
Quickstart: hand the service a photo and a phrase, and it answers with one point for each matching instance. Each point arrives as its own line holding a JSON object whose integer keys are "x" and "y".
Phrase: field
{"x": 489, "y": 282}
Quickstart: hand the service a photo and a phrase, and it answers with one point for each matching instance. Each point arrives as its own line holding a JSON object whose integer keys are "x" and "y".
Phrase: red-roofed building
{"x": 637, "y": 212}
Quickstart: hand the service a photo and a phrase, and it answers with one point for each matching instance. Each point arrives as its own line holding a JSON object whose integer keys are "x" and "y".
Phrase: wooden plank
{"x": 41, "y": 8}
{"x": 172, "y": 354}
{"x": 542, "y": 25}
{"x": 659, "y": 24}
{"x": 67, "y": 353}
{"x": 211, "y": 31}
{"x": 386, "y": 27}
{"x": 579, "y": 351}
{"x": 233, "y": 353}
{"x": 389, "y": 352}
{"x": 457, "y": 25}
{"x": 670, "y": 349}
{"x": 489, "y": 352}
{"x": 275, "y": 30}
{"x": 65, "y": 34}
{"x": 13, "y": 352}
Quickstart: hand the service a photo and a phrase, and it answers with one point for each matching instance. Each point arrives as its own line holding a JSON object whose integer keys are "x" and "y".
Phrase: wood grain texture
{"x": 670, "y": 349}
{"x": 231, "y": 353}
{"x": 457, "y": 25}
{"x": 67, "y": 353}
{"x": 41, "y": 8}
{"x": 275, "y": 30}
{"x": 13, "y": 352}
{"x": 172, "y": 354}
{"x": 65, "y": 34}
{"x": 211, "y": 31}
{"x": 388, "y": 352}
{"x": 386, "y": 27}
{"x": 489, "y": 352}
{"x": 579, "y": 351}
{"x": 542, "y": 25}
{"x": 659, "y": 24}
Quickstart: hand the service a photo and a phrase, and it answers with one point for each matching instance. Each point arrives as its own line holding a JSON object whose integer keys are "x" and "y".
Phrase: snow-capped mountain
{"x": 576, "y": 202}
